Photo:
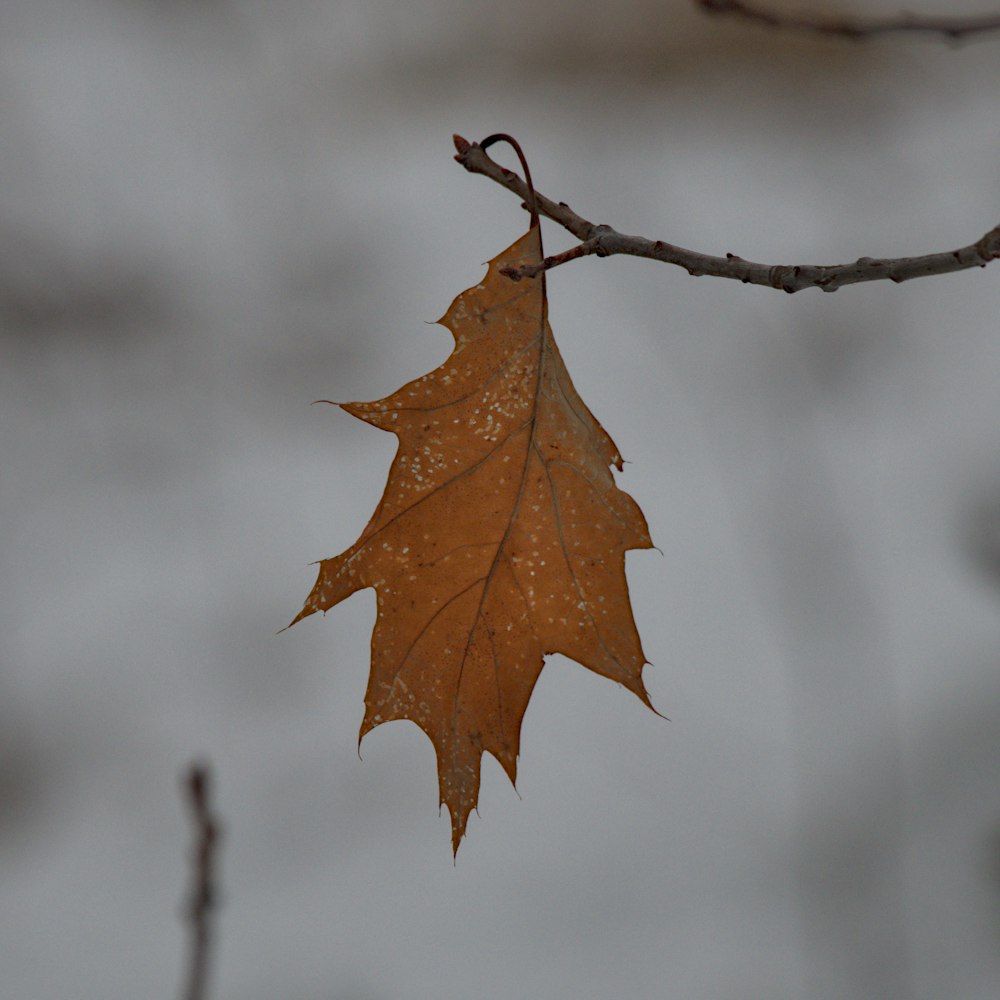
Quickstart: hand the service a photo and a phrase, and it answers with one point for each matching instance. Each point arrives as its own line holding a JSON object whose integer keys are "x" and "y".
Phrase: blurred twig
{"x": 951, "y": 28}
{"x": 603, "y": 241}
{"x": 202, "y": 900}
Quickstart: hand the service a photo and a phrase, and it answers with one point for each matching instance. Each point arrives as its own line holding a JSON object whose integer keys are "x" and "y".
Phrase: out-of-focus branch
{"x": 603, "y": 241}
{"x": 202, "y": 899}
{"x": 951, "y": 28}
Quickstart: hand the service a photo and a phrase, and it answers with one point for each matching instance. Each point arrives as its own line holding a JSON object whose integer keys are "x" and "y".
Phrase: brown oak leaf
{"x": 500, "y": 538}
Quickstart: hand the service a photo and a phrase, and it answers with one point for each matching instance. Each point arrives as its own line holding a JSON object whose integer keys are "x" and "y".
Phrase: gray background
{"x": 213, "y": 213}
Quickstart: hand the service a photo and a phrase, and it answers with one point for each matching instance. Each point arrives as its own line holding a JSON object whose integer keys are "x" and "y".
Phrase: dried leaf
{"x": 500, "y": 537}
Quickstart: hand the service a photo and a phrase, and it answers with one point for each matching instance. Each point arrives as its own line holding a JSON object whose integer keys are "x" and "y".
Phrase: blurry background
{"x": 213, "y": 213}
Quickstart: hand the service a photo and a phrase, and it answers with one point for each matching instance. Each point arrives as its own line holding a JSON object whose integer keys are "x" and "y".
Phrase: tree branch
{"x": 603, "y": 241}
{"x": 953, "y": 29}
{"x": 203, "y": 896}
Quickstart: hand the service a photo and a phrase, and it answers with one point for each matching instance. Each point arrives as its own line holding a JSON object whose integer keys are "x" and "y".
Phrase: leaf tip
{"x": 656, "y": 712}
{"x": 643, "y": 695}
{"x": 304, "y": 613}
{"x": 457, "y": 826}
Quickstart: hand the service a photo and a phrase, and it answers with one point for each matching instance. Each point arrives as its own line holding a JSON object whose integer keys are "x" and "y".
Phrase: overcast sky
{"x": 215, "y": 213}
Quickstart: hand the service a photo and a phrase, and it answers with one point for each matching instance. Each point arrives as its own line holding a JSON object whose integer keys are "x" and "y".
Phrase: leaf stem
{"x": 511, "y": 141}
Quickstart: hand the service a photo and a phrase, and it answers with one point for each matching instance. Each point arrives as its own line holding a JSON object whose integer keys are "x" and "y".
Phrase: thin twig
{"x": 953, "y": 29}
{"x": 202, "y": 900}
{"x": 603, "y": 241}
{"x": 530, "y": 270}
